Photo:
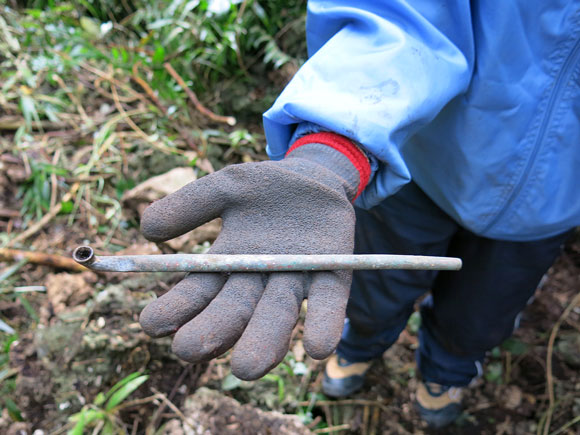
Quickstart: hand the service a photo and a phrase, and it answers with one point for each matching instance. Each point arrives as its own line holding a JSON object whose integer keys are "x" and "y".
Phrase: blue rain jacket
{"x": 478, "y": 102}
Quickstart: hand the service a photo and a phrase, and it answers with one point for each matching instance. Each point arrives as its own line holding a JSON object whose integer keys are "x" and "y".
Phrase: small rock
{"x": 511, "y": 397}
{"x": 298, "y": 351}
{"x": 205, "y": 233}
{"x": 568, "y": 348}
{"x": 136, "y": 200}
{"x": 66, "y": 290}
{"x": 210, "y": 412}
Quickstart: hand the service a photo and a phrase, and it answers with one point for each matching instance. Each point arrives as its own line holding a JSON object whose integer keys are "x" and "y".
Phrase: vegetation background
{"x": 97, "y": 97}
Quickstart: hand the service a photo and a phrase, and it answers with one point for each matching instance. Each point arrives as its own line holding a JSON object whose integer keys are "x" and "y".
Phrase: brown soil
{"x": 87, "y": 337}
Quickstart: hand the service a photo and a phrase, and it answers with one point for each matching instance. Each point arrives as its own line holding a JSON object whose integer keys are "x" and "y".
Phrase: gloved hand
{"x": 300, "y": 205}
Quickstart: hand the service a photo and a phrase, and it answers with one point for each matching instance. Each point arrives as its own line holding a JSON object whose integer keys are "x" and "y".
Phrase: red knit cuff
{"x": 346, "y": 147}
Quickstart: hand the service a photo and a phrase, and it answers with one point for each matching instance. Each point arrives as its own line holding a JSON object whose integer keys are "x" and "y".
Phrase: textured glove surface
{"x": 295, "y": 206}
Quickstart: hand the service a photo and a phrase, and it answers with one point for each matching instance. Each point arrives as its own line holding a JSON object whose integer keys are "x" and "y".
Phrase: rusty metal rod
{"x": 257, "y": 263}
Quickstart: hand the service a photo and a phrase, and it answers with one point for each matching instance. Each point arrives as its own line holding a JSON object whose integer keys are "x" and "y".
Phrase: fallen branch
{"x": 159, "y": 411}
{"x": 174, "y": 408}
{"x": 53, "y": 260}
{"x": 11, "y": 122}
{"x": 479, "y": 407}
{"x": 331, "y": 429}
{"x": 97, "y": 84}
{"x": 145, "y": 86}
{"x": 73, "y": 98}
{"x": 8, "y": 213}
{"x": 104, "y": 75}
{"x": 138, "y": 402}
{"x": 567, "y": 425}
{"x": 375, "y": 420}
{"x": 361, "y": 402}
{"x": 230, "y": 120}
{"x": 134, "y": 126}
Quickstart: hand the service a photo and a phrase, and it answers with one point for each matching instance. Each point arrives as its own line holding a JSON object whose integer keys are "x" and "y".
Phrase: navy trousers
{"x": 467, "y": 312}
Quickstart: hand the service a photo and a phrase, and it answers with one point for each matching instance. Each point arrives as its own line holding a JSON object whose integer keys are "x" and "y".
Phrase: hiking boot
{"x": 342, "y": 378}
{"x": 437, "y": 404}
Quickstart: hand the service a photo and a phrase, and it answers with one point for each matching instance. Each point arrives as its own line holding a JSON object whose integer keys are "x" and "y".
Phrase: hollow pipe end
{"x": 84, "y": 255}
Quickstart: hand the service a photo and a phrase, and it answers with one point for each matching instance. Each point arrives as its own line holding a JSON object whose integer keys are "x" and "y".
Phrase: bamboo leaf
{"x": 126, "y": 390}
{"x": 121, "y": 383}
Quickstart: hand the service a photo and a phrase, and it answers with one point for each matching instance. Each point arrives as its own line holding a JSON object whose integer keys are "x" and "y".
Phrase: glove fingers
{"x": 166, "y": 314}
{"x": 327, "y": 299}
{"x": 265, "y": 341}
{"x": 191, "y": 206}
{"x": 220, "y": 325}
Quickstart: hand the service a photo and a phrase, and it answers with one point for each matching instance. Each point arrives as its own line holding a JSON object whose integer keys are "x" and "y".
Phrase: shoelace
{"x": 454, "y": 393}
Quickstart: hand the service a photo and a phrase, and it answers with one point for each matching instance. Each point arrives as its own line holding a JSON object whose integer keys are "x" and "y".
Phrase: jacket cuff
{"x": 346, "y": 147}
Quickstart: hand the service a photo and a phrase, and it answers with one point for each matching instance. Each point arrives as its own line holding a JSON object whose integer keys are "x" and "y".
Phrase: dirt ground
{"x": 84, "y": 337}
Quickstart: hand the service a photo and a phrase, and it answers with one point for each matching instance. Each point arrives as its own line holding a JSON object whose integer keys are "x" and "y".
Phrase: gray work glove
{"x": 300, "y": 205}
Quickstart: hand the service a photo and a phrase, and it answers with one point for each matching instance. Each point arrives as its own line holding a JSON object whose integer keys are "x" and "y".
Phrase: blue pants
{"x": 467, "y": 313}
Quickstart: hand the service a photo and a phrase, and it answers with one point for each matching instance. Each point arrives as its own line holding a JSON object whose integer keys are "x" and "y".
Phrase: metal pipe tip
{"x": 83, "y": 255}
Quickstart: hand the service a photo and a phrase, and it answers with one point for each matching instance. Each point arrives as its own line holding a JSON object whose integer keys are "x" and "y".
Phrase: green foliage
{"x": 7, "y": 376}
{"x": 66, "y": 61}
{"x": 414, "y": 323}
{"x": 36, "y": 190}
{"x": 279, "y": 380}
{"x": 230, "y": 382}
{"x": 13, "y": 410}
{"x": 103, "y": 412}
{"x": 281, "y": 389}
{"x": 515, "y": 346}
{"x": 9, "y": 335}
{"x": 305, "y": 413}
{"x": 202, "y": 39}
{"x": 101, "y": 9}
{"x": 494, "y": 372}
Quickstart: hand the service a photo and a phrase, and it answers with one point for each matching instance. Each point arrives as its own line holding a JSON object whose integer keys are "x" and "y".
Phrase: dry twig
{"x": 567, "y": 425}
{"x": 365, "y": 422}
{"x": 159, "y": 411}
{"x": 139, "y": 402}
{"x": 53, "y": 260}
{"x": 174, "y": 408}
{"x": 12, "y": 122}
{"x": 331, "y": 429}
{"x": 53, "y": 180}
{"x": 375, "y": 421}
{"x": 230, "y": 120}
{"x": 145, "y": 86}
{"x": 132, "y": 124}
{"x": 362, "y": 402}
{"x": 73, "y": 98}
{"x": 8, "y": 213}
{"x": 105, "y": 76}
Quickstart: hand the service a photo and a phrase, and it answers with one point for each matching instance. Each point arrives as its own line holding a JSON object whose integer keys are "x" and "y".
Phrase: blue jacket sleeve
{"x": 377, "y": 72}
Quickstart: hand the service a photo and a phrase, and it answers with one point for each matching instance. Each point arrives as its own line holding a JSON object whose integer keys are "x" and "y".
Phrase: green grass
{"x": 7, "y": 376}
{"x": 91, "y": 101}
{"x": 102, "y": 415}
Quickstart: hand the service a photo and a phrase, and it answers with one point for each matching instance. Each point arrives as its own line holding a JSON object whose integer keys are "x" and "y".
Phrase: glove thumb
{"x": 180, "y": 212}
